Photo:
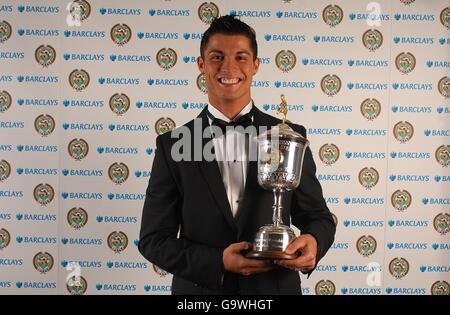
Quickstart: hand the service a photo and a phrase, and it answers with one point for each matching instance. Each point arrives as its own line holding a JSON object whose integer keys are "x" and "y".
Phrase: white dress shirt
{"x": 231, "y": 151}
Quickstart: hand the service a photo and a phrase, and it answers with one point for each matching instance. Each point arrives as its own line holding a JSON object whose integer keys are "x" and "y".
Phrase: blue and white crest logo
{"x": 5, "y": 31}
{"x": 366, "y": 245}
{"x": 401, "y": 200}
{"x": 329, "y": 154}
{"x": 372, "y": 39}
{"x": 118, "y": 173}
{"x": 368, "y": 177}
{"x": 121, "y": 34}
{"x": 442, "y": 155}
{"x": 399, "y": 267}
{"x": 43, "y": 262}
{"x": 444, "y": 87}
{"x": 166, "y": 58}
{"x": 330, "y": 84}
{"x": 207, "y": 12}
{"x": 117, "y": 241}
{"x": 405, "y": 62}
{"x": 332, "y": 15}
{"x": 445, "y": 17}
{"x": 201, "y": 83}
{"x": 45, "y": 55}
{"x": 5, "y": 170}
{"x": 403, "y": 131}
{"x": 77, "y": 218}
{"x": 79, "y": 79}
{"x": 163, "y": 125}
{"x": 5, "y": 238}
{"x": 77, "y": 285}
{"x": 78, "y": 149}
{"x": 325, "y": 287}
{"x": 80, "y": 10}
{"x": 119, "y": 103}
{"x": 44, "y": 124}
{"x": 440, "y": 288}
{"x": 285, "y": 60}
{"x": 43, "y": 194}
{"x": 5, "y": 101}
{"x": 441, "y": 223}
{"x": 370, "y": 108}
{"x": 159, "y": 271}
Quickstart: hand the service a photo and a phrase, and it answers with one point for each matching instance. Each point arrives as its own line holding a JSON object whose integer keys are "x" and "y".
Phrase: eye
{"x": 216, "y": 57}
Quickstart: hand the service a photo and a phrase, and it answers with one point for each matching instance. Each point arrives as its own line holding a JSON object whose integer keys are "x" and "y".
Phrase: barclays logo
{"x": 193, "y": 105}
{"x": 129, "y": 127}
{"x": 442, "y": 246}
{"x": 332, "y": 108}
{"x": 251, "y": 14}
{"x": 408, "y": 223}
{"x": 116, "y": 11}
{"x": 334, "y": 39}
{"x": 415, "y": 17}
{"x": 434, "y": 268}
{"x": 264, "y": 60}
{"x": 368, "y": 63}
{"x": 410, "y": 178}
{"x": 12, "y": 124}
{"x": 37, "y": 102}
{"x": 82, "y": 195}
{"x": 83, "y": 103}
{"x": 130, "y": 58}
{"x": 38, "y": 32}
{"x": 334, "y": 177}
{"x": 83, "y": 264}
{"x": 365, "y": 155}
{"x": 83, "y": 172}
{"x": 12, "y": 55}
{"x": 84, "y": 57}
{"x": 444, "y": 41}
{"x": 296, "y": 15}
{"x": 37, "y": 9}
{"x": 37, "y": 148}
{"x": 82, "y": 126}
{"x": 325, "y": 131}
{"x": 414, "y": 40}
{"x": 5, "y": 284}
{"x": 115, "y": 287}
{"x": 322, "y": 62}
{"x": 285, "y": 38}
{"x": 117, "y": 150}
{"x": 157, "y": 288}
{"x": 435, "y": 201}
{"x": 159, "y": 35}
{"x": 11, "y": 261}
{"x": 407, "y": 246}
{"x": 11, "y": 194}
{"x": 360, "y": 268}
{"x": 116, "y": 219}
{"x": 438, "y": 64}
{"x": 6, "y": 78}
{"x": 367, "y": 86}
{"x": 442, "y": 179}
{"x": 368, "y": 17}
{"x": 443, "y": 110}
{"x": 326, "y": 268}
{"x": 437, "y": 132}
{"x": 82, "y": 241}
{"x": 37, "y": 171}
{"x": 193, "y": 36}
{"x": 340, "y": 245}
{"x": 332, "y": 200}
{"x": 119, "y": 81}
{"x": 36, "y": 240}
{"x": 411, "y": 109}
{"x": 86, "y": 34}
{"x": 406, "y": 291}
{"x": 37, "y": 79}
{"x": 36, "y": 217}
{"x": 6, "y": 147}
{"x": 168, "y": 12}
{"x": 364, "y": 223}
{"x": 126, "y": 265}
{"x": 295, "y": 84}
{"x": 260, "y": 84}
{"x": 168, "y": 82}
{"x": 275, "y": 107}
{"x": 5, "y": 216}
{"x": 6, "y": 8}
{"x": 410, "y": 155}
{"x": 361, "y": 291}
{"x": 413, "y": 86}
{"x": 117, "y": 196}
{"x": 143, "y": 174}
{"x": 366, "y": 132}
{"x": 35, "y": 285}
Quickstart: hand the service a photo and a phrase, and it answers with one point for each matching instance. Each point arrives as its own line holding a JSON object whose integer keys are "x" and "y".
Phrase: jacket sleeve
{"x": 309, "y": 211}
{"x": 161, "y": 220}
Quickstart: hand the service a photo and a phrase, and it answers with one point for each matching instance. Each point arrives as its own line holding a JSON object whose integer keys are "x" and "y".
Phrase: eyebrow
{"x": 216, "y": 51}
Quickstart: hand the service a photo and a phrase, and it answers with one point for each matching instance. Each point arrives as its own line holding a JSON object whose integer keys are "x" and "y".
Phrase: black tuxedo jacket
{"x": 187, "y": 221}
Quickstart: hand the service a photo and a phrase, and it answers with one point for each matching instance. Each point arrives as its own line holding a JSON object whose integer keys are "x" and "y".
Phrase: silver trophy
{"x": 280, "y": 159}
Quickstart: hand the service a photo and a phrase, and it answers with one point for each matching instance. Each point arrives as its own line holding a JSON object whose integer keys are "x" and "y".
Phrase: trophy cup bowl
{"x": 280, "y": 160}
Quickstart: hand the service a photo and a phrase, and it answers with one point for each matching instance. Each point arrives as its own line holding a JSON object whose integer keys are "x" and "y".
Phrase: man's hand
{"x": 234, "y": 260}
{"x": 307, "y": 245}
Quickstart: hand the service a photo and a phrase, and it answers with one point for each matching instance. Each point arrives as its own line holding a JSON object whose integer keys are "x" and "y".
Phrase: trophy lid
{"x": 282, "y": 131}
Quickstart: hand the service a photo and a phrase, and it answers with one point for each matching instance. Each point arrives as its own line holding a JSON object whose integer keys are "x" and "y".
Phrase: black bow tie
{"x": 244, "y": 121}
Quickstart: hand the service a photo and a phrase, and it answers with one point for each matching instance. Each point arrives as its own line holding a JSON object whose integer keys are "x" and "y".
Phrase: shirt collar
{"x": 217, "y": 114}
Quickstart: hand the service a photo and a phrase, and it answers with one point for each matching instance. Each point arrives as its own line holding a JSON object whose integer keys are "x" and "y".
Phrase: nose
{"x": 228, "y": 65}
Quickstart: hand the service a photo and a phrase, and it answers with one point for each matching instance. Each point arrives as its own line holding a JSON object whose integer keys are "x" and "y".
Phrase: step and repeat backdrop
{"x": 86, "y": 86}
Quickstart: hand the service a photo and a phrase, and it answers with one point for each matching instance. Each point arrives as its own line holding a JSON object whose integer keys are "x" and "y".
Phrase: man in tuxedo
{"x": 201, "y": 214}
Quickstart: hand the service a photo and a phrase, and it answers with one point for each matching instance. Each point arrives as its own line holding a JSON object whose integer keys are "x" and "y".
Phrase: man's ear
{"x": 201, "y": 64}
{"x": 256, "y": 65}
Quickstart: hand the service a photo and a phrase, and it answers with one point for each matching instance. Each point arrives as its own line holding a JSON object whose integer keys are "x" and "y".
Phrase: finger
{"x": 298, "y": 244}
{"x": 254, "y": 263}
{"x": 240, "y": 246}
{"x": 303, "y": 261}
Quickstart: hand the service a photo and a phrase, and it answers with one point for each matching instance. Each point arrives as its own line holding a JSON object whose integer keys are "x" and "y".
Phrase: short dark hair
{"x": 230, "y": 25}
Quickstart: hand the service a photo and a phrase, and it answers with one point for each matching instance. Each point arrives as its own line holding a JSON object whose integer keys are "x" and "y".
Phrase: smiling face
{"x": 229, "y": 66}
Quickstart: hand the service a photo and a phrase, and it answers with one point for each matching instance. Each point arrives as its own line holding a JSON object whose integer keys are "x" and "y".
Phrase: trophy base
{"x": 270, "y": 254}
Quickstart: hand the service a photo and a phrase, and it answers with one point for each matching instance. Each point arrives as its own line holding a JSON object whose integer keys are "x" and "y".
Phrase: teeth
{"x": 229, "y": 81}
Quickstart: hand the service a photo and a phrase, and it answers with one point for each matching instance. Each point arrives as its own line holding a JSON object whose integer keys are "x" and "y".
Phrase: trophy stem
{"x": 277, "y": 207}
